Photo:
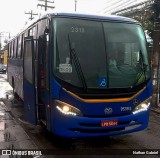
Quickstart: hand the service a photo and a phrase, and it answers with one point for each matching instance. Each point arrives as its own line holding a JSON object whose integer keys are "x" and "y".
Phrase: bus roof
{"x": 100, "y": 17}
{"x": 95, "y": 16}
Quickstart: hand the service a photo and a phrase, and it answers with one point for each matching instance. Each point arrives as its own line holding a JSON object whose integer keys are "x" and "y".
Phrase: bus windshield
{"x": 99, "y": 54}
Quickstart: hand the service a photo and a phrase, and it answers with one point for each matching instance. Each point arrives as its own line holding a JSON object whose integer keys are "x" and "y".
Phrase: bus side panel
{"x": 29, "y": 107}
{"x": 15, "y": 76}
{"x": 18, "y": 79}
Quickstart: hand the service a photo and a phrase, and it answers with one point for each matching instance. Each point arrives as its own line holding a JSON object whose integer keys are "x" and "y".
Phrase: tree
{"x": 148, "y": 15}
{"x": 145, "y": 19}
{"x": 155, "y": 14}
{"x": 156, "y": 9}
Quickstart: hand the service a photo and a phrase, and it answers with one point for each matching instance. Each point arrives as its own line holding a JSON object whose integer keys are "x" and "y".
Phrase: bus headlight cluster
{"x": 67, "y": 109}
{"x": 143, "y": 106}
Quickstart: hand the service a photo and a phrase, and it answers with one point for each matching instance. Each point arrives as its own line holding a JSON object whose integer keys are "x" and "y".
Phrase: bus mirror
{"x": 46, "y": 31}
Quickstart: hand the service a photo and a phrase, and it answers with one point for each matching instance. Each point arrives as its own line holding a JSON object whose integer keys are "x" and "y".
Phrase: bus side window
{"x": 43, "y": 42}
{"x": 26, "y": 33}
{"x": 32, "y": 31}
{"x": 9, "y": 50}
{"x": 41, "y": 50}
{"x": 12, "y": 47}
{"x": 47, "y": 61}
{"x": 22, "y": 45}
{"x": 15, "y": 48}
{"x": 19, "y": 46}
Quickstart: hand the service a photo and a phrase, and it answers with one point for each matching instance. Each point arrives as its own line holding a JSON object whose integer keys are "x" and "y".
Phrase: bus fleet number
{"x": 77, "y": 29}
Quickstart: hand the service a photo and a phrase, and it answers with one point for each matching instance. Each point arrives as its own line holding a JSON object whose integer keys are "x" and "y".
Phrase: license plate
{"x": 109, "y": 123}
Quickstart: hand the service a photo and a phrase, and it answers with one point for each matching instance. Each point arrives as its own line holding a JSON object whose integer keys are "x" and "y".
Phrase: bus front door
{"x": 29, "y": 91}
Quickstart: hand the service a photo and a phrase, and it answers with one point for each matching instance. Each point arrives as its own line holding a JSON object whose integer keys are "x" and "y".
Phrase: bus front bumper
{"x": 79, "y": 127}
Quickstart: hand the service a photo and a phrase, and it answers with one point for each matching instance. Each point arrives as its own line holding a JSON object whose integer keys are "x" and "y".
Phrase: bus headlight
{"x": 143, "y": 106}
{"x": 67, "y": 109}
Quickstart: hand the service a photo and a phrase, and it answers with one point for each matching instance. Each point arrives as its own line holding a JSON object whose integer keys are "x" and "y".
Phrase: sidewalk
{"x": 156, "y": 109}
{"x": 12, "y": 135}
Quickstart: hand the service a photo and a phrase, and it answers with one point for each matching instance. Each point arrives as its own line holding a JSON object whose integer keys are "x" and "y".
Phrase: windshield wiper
{"x": 73, "y": 56}
{"x": 142, "y": 74}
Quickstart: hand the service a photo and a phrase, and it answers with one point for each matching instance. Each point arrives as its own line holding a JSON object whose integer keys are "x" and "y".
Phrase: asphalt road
{"x": 22, "y": 135}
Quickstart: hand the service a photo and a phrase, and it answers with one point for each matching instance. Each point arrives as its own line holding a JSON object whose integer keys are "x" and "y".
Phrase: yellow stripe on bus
{"x": 105, "y": 100}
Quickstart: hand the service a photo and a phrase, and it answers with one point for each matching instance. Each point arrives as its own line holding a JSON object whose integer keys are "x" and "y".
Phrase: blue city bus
{"x": 82, "y": 75}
